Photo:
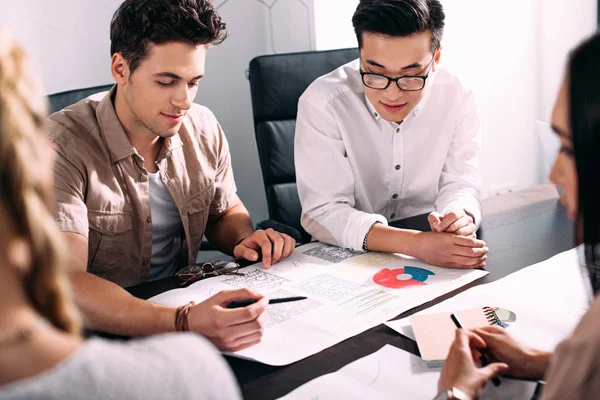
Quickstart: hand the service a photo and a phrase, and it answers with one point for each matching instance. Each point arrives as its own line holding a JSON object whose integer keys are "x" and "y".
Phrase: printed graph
{"x": 400, "y": 278}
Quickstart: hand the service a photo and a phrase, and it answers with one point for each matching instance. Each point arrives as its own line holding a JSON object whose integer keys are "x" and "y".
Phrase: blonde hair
{"x": 25, "y": 195}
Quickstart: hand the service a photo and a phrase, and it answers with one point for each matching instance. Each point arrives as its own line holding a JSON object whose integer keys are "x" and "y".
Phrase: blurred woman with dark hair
{"x": 573, "y": 371}
{"x": 41, "y": 352}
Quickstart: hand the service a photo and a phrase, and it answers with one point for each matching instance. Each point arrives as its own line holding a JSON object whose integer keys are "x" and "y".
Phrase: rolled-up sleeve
{"x": 326, "y": 182}
{"x": 225, "y": 188}
{"x": 69, "y": 187}
{"x": 460, "y": 180}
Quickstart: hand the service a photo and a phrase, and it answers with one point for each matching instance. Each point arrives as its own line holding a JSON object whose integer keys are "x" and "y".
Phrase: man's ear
{"x": 119, "y": 69}
{"x": 436, "y": 58}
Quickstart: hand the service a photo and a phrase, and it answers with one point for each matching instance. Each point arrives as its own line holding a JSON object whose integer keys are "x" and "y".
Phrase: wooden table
{"x": 520, "y": 228}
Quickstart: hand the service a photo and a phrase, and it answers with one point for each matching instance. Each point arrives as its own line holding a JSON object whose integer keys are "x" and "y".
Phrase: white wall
{"x": 494, "y": 49}
{"x": 512, "y": 53}
{"x": 562, "y": 27}
{"x": 68, "y": 41}
{"x": 333, "y": 24}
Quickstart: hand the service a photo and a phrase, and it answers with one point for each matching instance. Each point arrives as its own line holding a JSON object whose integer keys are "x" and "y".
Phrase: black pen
{"x": 244, "y": 303}
{"x": 482, "y": 358}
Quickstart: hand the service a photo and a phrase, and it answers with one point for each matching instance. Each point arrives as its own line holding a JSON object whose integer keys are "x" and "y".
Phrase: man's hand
{"x": 230, "y": 329}
{"x": 272, "y": 245}
{"x": 456, "y": 221}
{"x": 524, "y": 362}
{"x": 449, "y": 250}
{"x": 461, "y": 371}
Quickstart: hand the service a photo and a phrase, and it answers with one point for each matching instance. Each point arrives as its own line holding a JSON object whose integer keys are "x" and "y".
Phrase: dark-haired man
{"x": 390, "y": 136}
{"x": 143, "y": 173}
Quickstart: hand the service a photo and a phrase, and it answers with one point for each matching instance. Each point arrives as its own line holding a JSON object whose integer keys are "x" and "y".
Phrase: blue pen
{"x": 482, "y": 358}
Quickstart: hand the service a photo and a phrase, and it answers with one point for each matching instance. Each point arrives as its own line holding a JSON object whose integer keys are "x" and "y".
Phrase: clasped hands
{"x": 452, "y": 241}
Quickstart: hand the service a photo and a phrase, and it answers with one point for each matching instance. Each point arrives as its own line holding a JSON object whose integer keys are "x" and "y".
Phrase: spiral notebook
{"x": 435, "y": 332}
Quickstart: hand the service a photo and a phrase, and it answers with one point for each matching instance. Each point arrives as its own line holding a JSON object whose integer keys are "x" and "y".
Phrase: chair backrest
{"x": 58, "y": 101}
{"x": 276, "y": 83}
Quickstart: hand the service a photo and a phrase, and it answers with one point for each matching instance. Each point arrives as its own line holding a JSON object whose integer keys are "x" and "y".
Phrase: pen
{"x": 244, "y": 303}
{"x": 482, "y": 358}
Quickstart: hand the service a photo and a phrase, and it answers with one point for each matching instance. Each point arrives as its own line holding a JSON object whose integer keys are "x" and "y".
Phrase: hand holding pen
{"x": 245, "y": 303}
{"x": 461, "y": 373}
{"x": 484, "y": 356}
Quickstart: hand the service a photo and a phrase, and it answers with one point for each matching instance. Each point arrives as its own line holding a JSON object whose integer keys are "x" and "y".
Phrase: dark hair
{"x": 400, "y": 18}
{"x": 137, "y": 23}
{"x": 584, "y": 106}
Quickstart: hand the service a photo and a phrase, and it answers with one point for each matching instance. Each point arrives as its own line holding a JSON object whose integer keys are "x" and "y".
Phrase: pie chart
{"x": 400, "y": 278}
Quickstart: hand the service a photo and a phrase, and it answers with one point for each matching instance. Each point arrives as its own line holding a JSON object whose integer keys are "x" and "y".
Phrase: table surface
{"x": 520, "y": 228}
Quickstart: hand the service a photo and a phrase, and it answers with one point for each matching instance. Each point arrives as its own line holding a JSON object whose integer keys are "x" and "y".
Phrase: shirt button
{"x": 149, "y": 219}
{"x": 144, "y": 177}
{"x": 397, "y": 130}
{"x": 395, "y": 196}
{"x": 392, "y": 216}
{"x": 111, "y": 228}
{"x": 145, "y": 262}
{"x": 398, "y": 167}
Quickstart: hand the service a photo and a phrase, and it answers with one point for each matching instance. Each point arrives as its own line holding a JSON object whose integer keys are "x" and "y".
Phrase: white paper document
{"x": 391, "y": 373}
{"x": 542, "y": 303}
{"x": 347, "y": 292}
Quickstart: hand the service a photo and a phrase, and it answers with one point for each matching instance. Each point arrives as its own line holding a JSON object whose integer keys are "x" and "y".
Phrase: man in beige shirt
{"x": 143, "y": 173}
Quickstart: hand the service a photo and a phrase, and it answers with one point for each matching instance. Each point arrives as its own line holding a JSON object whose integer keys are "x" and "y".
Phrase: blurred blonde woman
{"x": 41, "y": 352}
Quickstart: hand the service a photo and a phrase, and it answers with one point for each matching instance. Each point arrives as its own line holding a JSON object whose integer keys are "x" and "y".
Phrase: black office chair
{"x": 58, "y": 101}
{"x": 276, "y": 83}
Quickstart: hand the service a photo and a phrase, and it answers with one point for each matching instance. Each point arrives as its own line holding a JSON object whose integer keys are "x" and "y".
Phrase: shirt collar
{"x": 117, "y": 142}
{"x": 377, "y": 117}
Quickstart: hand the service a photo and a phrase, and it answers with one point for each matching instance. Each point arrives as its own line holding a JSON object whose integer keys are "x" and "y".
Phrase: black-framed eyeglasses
{"x": 193, "y": 273}
{"x": 407, "y": 83}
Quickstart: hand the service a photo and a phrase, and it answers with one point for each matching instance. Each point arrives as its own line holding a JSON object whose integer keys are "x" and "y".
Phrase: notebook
{"x": 435, "y": 332}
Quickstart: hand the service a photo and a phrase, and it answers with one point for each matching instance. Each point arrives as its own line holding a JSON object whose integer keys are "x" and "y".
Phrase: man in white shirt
{"x": 389, "y": 136}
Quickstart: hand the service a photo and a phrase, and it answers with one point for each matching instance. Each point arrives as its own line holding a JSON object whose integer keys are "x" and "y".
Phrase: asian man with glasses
{"x": 389, "y": 136}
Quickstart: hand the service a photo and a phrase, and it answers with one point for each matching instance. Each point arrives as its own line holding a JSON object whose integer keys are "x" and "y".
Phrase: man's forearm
{"x": 388, "y": 239}
{"x": 228, "y": 229}
{"x": 107, "y": 307}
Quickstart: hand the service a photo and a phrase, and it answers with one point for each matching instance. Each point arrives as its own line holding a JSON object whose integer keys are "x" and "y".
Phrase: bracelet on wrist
{"x": 364, "y": 246}
{"x": 181, "y": 317}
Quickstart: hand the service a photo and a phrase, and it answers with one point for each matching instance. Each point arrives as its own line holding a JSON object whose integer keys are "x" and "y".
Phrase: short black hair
{"x": 400, "y": 18}
{"x": 584, "y": 109}
{"x": 137, "y": 23}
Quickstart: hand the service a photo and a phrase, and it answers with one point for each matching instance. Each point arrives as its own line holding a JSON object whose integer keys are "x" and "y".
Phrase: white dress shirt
{"x": 353, "y": 168}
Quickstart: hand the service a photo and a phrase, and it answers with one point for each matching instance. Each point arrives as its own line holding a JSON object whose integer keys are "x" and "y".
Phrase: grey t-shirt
{"x": 167, "y": 230}
{"x": 174, "y": 366}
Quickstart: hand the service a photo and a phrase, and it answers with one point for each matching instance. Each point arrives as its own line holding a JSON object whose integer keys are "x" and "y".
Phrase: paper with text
{"x": 347, "y": 292}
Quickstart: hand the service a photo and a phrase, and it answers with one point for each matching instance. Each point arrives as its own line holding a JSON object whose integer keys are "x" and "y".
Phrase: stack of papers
{"x": 347, "y": 292}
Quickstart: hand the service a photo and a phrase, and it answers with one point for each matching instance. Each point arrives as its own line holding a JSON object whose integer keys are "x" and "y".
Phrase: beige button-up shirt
{"x": 102, "y": 189}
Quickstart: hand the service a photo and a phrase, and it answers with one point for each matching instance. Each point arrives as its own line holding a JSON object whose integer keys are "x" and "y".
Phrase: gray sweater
{"x": 174, "y": 366}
